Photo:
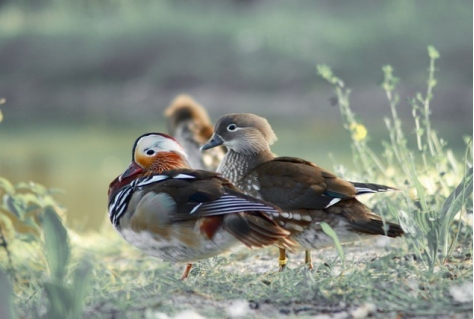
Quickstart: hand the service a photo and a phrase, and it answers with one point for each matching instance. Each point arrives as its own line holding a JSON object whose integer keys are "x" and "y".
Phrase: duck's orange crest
{"x": 162, "y": 161}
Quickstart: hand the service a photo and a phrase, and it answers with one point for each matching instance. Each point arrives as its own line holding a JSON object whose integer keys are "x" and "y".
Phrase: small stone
{"x": 238, "y": 309}
{"x": 462, "y": 293}
{"x": 188, "y": 314}
{"x": 363, "y": 311}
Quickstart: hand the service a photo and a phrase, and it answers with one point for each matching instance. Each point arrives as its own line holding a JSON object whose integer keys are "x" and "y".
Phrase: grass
{"x": 428, "y": 273}
{"x": 435, "y": 208}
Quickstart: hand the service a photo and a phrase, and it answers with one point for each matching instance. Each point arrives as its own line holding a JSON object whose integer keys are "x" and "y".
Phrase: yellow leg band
{"x": 282, "y": 262}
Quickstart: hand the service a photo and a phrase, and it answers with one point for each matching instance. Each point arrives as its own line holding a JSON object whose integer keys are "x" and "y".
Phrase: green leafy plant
{"x": 434, "y": 205}
{"x": 28, "y": 212}
{"x": 65, "y": 300}
{"x": 22, "y": 207}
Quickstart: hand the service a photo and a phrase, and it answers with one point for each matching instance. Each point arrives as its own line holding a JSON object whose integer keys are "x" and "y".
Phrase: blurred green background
{"x": 82, "y": 79}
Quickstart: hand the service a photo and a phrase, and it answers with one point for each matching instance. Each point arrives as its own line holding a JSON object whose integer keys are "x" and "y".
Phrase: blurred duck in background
{"x": 189, "y": 123}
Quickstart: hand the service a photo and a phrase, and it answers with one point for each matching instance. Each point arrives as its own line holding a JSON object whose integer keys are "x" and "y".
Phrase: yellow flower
{"x": 390, "y": 172}
{"x": 359, "y": 132}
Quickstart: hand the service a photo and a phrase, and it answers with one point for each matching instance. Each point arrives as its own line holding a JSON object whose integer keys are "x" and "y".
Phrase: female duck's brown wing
{"x": 293, "y": 183}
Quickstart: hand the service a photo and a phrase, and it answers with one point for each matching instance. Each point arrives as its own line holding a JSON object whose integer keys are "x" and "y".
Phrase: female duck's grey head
{"x": 243, "y": 133}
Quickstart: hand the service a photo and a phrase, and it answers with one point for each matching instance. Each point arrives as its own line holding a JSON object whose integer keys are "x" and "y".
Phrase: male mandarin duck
{"x": 179, "y": 214}
{"x": 308, "y": 194}
{"x": 189, "y": 123}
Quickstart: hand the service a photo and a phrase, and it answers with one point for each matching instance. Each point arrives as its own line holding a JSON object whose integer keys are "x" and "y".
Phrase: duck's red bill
{"x": 133, "y": 169}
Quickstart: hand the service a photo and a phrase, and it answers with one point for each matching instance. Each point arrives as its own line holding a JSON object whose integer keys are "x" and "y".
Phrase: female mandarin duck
{"x": 307, "y": 193}
{"x": 178, "y": 214}
{"x": 189, "y": 123}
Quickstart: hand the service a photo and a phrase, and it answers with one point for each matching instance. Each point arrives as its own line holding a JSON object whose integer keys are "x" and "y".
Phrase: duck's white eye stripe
{"x": 233, "y": 128}
{"x": 184, "y": 176}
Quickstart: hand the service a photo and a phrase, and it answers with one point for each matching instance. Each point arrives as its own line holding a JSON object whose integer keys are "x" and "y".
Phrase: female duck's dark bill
{"x": 215, "y": 140}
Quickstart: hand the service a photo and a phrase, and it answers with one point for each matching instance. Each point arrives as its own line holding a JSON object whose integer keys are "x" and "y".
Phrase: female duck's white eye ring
{"x": 231, "y": 127}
